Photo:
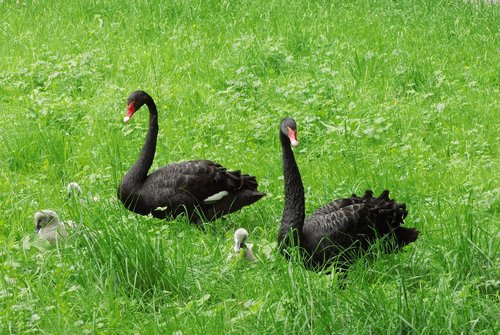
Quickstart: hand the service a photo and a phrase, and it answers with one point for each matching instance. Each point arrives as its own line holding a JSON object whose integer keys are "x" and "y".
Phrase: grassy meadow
{"x": 398, "y": 95}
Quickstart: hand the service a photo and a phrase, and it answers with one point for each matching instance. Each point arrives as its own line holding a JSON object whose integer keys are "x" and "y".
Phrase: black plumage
{"x": 185, "y": 187}
{"x": 342, "y": 229}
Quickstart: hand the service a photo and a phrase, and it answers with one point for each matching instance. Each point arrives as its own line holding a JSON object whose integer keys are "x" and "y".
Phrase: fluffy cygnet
{"x": 73, "y": 189}
{"x": 49, "y": 227}
{"x": 240, "y": 238}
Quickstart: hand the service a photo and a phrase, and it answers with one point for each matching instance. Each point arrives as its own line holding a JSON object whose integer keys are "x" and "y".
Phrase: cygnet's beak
{"x": 237, "y": 247}
{"x": 38, "y": 227}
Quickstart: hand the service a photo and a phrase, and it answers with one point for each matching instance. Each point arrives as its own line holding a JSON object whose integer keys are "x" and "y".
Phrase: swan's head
{"x": 289, "y": 129}
{"x": 240, "y": 237}
{"x": 44, "y": 217}
{"x": 135, "y": 101}
{"x": 73, "y": 189}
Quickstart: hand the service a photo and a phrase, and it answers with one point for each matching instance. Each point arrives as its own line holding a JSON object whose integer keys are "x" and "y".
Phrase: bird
{"x": 49, "y": 227}
{"x": 240, "y": 239}
{"x": 73, "y": 189}
{"x": 341, "y": 230}
{"x": 201, "y": 189}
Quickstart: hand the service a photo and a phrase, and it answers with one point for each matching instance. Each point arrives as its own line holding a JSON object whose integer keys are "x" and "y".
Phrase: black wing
{"x": 345, "y": 225}
{"x": 189, "y": 183}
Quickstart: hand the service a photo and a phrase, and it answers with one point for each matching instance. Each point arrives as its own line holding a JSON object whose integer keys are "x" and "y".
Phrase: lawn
{"x": 398, "y": 95}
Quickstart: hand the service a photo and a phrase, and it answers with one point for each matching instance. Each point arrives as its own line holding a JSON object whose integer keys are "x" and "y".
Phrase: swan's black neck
{"x": 139, "y": 171}
{"x": 294, "y": 210}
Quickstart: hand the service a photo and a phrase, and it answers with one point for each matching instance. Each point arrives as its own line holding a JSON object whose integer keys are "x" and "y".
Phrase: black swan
{"x": 202, "y": 189}
{"x": 240, "y": 239}
{"x": 339, "y": 231}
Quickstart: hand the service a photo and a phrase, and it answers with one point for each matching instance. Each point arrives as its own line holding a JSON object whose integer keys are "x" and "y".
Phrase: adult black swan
{"x": 201, "y": 189}
{"x": 339, "y": 231}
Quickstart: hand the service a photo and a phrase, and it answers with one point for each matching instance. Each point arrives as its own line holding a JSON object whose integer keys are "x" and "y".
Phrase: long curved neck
{"x": 294, "y": 210}
{"x": 139, "y": 171}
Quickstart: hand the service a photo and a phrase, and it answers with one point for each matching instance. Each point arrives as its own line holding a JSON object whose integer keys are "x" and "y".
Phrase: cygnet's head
{"x": 45, "y": 217}
{"x": 240, "y": 237}
{"x": 73, "y": 189}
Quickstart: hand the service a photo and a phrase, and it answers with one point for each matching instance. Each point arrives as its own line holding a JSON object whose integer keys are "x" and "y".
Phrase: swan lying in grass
{"x": 49, "y": 227}
{"x": 341, "y": 230}
{"x": 240, "y": 238}
{"x": 202, "y": 189}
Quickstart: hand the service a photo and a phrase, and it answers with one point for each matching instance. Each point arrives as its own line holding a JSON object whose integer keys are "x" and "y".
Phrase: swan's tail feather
{"x": 368, "y": 195}
{"x": 405, "y": 236}
{"x": 244, "y": 181}
{"x": 232, "y": 203}
{"x": 387, "y": 216}
{"x": 249, "y": 182}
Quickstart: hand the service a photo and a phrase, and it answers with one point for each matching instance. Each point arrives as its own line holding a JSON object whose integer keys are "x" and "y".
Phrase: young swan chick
{"x": 49, "y": 227}
{"x": 240, "y": 238}
{"x": 73, "y": 189}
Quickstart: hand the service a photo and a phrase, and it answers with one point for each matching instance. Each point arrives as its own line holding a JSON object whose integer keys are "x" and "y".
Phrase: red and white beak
{"x": 130, "y": 112}
{"x": 292, "y": 135}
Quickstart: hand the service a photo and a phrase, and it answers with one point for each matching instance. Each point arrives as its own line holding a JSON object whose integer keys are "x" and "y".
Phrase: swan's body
{"x": 338, "y": 231}
{"x": 240, "y": 239}
{"x": 202, "y": 189}
{"x": 49, "y": 227}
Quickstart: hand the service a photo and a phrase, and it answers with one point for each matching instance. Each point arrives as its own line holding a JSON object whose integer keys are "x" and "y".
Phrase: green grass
{"x": 400, "y": 95}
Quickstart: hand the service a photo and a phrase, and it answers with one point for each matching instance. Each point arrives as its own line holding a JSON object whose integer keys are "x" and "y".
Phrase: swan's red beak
{"x": 130, "y": 112}
{"x": 292, "y": 135}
